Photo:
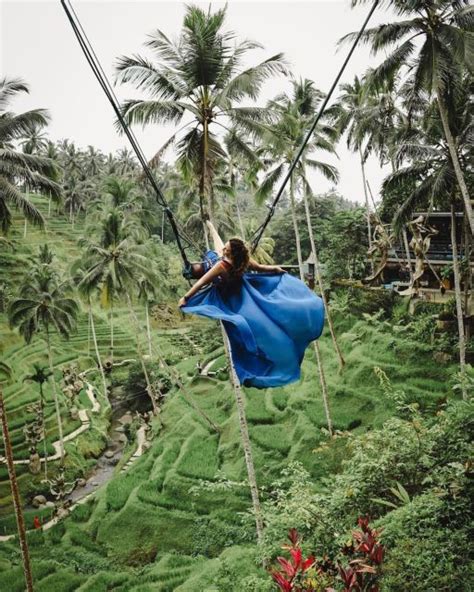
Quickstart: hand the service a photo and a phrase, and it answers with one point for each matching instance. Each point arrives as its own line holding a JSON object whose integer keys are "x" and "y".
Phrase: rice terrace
{"x": 236, "y": 312}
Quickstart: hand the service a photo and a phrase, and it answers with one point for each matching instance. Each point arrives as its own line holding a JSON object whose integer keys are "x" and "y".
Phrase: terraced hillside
{"x": 180, "y": 514}
{"x": 160, "y": 527}
{"x": 62, "y": 239}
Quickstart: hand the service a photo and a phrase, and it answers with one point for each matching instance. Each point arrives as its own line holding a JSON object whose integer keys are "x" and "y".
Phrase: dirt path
{"x": 83, "y": 494}
{"x": 85, "y": 425}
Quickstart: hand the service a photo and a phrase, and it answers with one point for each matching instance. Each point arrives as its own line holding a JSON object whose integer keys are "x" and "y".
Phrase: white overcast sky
{"x": 37, "y": 44}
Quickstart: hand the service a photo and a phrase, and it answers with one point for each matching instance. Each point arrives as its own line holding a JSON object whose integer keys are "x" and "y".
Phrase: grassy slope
{"x": 143, "y": 529}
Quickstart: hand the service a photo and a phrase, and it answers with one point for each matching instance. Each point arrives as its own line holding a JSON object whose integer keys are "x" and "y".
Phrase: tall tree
{"x": 285, "y": 136}
{"x": 113, "y": 264}
{"x": 43, "y": 305}
{"x": 434, "y": 42}
{"x": 351, "y": 119}
{"x": 29, "y": 171}
{"x": 198, "y": 82}
{"x": 428, "y": 176}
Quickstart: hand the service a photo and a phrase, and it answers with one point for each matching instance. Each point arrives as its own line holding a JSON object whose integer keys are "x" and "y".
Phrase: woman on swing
{"x": 269, "y": 316}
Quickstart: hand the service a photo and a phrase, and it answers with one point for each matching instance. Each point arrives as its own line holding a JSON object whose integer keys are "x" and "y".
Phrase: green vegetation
{"x": 150, "y": 422}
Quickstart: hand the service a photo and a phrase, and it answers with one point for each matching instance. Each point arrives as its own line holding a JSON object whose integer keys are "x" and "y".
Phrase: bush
{"x": 428, "y": 546}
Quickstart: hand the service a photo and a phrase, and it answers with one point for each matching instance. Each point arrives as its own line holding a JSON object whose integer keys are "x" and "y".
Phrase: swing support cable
{"x": 259, "y": 232}
{"x": 99, "y": 73}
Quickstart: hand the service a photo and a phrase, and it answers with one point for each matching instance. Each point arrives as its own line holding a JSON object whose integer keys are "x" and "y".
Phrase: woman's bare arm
{"x": 254, "y": 266}
{"x": 207, "y": 278}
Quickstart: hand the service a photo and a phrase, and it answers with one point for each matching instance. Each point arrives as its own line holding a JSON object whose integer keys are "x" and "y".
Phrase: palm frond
{"x": 140, "y": 72}
{"x": 9, "y": 195}
{"x": 268, "y": 183}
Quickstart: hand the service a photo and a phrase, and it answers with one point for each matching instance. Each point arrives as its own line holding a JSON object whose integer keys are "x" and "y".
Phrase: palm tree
{"x": 296, "y": 112}
{"x": 40, "y": 376}
{"x": 86, "y": 288}
{"x": 112, "y": 231}
{"x": 94, "y": 160}
{"x": 429, "y": 178}
{"x": 126, "y": 162}
{"x": 42, "y": 305}
{"x": 74, "y": 197}
{"x": 436, "y": 64}
{"x": 31, "y": 171}
{"x": 5, "y": 372}
{"x": 113, "y": 263}
{"x": 350, "y": 117}
{"x": 198, "y": 83}
{"x": 146, "y": 294}
{"x": 34, "y": 140}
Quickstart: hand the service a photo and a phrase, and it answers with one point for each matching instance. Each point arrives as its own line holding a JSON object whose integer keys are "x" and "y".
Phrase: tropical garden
{"x": 131, "y": 458}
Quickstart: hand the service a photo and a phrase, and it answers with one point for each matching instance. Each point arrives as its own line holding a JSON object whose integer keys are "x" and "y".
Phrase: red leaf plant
{"x": 361, "y": 574}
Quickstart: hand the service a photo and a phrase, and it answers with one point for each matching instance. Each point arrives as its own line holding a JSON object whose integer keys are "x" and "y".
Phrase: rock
{"x": 123, "y": 439}
{"x": 120, "y": 429}
{"x": 50, "y": 505}
{"x": 95, "y": 483}
{"x": 109, "y": 454}
{"x": 81, "y": 482}
{"x": 74, "y": 413}
{"x": 38, "y": 501}
{"x": 114, "y": 461}
{"x": 126, "y": 419}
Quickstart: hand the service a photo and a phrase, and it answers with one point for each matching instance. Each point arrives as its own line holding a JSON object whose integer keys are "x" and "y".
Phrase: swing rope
{"x": 101, "y": 77}
{"x": 259, "y": 232}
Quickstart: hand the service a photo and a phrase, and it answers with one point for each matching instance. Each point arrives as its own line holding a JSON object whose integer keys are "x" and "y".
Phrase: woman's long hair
{"x": 240, "y": 261}
{"x": 240, "y": 257}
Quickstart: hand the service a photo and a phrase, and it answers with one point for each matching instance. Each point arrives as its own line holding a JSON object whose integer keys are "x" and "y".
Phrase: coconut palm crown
{"x": 198, "y": 76}
{"x": 31, "y": 171}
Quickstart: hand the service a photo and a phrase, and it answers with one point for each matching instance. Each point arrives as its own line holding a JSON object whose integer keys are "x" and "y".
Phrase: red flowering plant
{"x": 361, "y": 574}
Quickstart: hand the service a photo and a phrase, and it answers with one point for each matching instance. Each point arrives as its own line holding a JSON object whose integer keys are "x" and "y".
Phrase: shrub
{"x": 361, "y": 573}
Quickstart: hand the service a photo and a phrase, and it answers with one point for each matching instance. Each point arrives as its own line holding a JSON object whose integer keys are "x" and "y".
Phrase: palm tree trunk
{"x": 97, "y": 353}
{"x": 89, "y": 332}
{"x": 148, "y": 331}
{"x": 112, "y": 330}
{"x": 367, "y": 207}
{"x": 455, "y": 159}
{"x": 320, "y": 281}
{"x": 205, "y": 184}
{"x": 245, "y": 438}
{"x": 49, "y": 207}
{"x": 322, "y": 377}
{"x": 324, "y": 387}
{"x": 174, "y": 377}
{"x": 20, "y": 522}
{"x": 55, "y": 397}
{"x": 25, "y": 228}
{"x": 468, "y": 278}
{"x": 407, "y": 254}
{"x": 459, "y": 311}
{"x": 239, "y": 216}
{"x": 45, "y": 447}
{"x": 149, "y": 388}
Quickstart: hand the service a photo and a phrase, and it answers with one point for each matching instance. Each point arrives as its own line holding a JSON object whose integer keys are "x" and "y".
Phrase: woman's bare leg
{"x": 216, "y": 239}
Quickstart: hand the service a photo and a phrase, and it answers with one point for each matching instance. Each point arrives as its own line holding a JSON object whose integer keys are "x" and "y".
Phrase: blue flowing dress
{"x": 270, "y": 321}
